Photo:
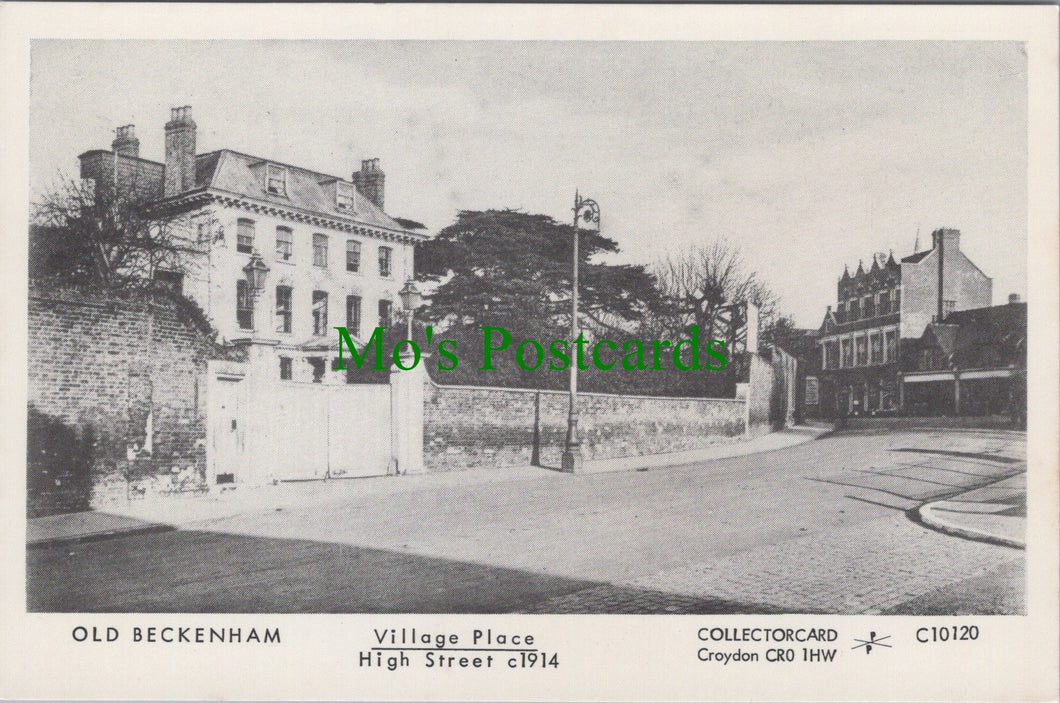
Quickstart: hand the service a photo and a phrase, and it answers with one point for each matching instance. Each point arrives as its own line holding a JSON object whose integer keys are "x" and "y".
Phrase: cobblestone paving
{"x": 888, "y": 562}
{"x": 821, "y": 527}
{"x": 612, "y": 599}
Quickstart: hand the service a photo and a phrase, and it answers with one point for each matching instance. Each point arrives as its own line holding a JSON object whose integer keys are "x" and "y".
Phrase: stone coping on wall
{"x": 725, "y": 448}
{"x": 445, "y": 386}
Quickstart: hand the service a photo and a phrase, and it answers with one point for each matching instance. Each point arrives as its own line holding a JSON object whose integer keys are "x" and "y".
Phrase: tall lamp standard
{"x": 584, "y": 209}
{"x": 410, "y": 300}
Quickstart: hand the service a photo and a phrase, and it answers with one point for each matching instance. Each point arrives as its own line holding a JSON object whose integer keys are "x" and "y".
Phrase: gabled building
{"x": 882, "y": 308}
{"x": 972, "y": 363}
{"x": 276, "y": 255}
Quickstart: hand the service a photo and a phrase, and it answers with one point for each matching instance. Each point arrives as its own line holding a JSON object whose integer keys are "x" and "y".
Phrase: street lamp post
{"x": 256, "y": 271}
{"x": 410, "y": 300}
{"x": 584, "y": 209}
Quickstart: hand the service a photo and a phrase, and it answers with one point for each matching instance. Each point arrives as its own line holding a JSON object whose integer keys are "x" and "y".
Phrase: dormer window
{"x": 344, "y": 196}
{"x": 276, "y": 180}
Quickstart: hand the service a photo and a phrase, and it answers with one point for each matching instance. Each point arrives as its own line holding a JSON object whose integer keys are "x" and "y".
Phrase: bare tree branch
{"x": 114, "y": 234}
{"x": 702, "y": 283}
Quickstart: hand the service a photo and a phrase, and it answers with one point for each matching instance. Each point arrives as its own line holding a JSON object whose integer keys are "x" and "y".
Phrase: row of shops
{"x": 969, "y": 392}
{"x": 973, "y": 363}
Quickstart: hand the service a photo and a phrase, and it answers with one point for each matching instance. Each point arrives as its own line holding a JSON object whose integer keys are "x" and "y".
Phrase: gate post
{"x": 406, "y": 418}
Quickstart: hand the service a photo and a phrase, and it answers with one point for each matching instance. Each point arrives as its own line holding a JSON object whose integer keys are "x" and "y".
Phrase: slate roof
{"x": 972, "y": 336}
{"x": 916, "y": 258}
{"x": 1011, "y": 316}
{"x": 205, "y": 165}
{"x": 802, "y": 343}
{"x": 831, "y": 326}
{"x": 945, "y": 336}
{"x": 409, "y": 224}
{"x": 1004, "y": 325}
{"x": 242, "y": 174}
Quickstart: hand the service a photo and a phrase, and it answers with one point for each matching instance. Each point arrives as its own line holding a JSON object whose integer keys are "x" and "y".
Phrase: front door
{"x": 228, "y": 432}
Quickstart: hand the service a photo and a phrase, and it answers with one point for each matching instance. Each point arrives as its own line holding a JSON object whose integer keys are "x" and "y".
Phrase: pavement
{"x": 171, "y": 512}
{"x": 79, "y": 527}
{"x": 996, "y": 513}
{"x": 821, "y": 526}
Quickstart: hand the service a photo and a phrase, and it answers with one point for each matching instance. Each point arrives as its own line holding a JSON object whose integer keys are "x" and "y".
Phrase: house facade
{"x": 883, "y": 308}
{"x": 276, "y": 256}
{"x": 324, "y": 250}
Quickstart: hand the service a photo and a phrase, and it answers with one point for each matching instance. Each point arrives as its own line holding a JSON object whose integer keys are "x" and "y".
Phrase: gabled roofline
{"x": 909, "y": 259}
{"x": 974, "y": 266}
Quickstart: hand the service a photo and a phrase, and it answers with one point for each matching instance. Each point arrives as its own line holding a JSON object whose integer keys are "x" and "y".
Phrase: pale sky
{"x": 810, "y": 155}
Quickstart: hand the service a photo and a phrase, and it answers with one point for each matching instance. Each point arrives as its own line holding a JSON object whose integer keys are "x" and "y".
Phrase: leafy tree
{"x": 512, "y": 269}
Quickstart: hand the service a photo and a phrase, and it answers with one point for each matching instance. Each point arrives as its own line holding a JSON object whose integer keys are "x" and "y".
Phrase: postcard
{"x": 530, "y": 352}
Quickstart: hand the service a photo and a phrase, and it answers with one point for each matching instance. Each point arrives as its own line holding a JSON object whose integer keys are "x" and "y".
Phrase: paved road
{"x": 821, "y": 527}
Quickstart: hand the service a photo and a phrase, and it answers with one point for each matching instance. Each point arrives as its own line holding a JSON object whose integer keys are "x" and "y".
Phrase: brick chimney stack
{"x": 125, "y": 142}
{"x": 949, "y": 238}
{"x": 180, "y": 151}
{"x": 370, "y": 181}
{"x": 946, "y": 241}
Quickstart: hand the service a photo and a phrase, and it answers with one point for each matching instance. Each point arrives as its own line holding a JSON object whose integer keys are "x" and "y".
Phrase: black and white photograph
{"x": 530, "y": 327}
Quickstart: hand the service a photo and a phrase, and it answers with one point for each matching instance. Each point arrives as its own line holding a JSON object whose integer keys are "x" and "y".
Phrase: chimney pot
{"x": 952, "y": 238}
{"x": 1013, "y": 298}
{"x": 125, "y": 142}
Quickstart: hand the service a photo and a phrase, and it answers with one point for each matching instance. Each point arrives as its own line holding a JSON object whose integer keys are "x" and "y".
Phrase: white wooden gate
{"x": 323, "y": 431}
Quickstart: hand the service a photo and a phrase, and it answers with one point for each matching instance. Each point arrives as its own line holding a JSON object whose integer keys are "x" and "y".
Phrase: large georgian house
{"x": 880, "y": 310}
{"x": 324, "y": 251}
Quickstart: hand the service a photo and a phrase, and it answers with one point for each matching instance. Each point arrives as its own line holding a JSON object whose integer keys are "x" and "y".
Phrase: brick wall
{"x": 98, "y": 366}
{"x": 966, "y": 284}
{"x": 477, "y": 426}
